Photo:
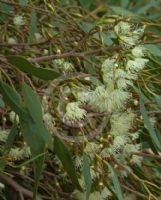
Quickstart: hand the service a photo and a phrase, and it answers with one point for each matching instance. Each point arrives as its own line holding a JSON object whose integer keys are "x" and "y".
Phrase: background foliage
{"x": 49, "y": 50}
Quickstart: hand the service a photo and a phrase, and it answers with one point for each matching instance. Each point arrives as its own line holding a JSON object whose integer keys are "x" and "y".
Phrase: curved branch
{"x": 75, "y": 54}
{"x": 20, "y": 189}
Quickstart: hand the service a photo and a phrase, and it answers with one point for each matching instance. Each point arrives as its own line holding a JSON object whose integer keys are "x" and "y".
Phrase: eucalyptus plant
{"x": 80, "y": 101}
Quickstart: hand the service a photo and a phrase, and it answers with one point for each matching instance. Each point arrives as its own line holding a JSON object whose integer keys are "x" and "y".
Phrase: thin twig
{"x": 147, "y": 155}
{"x": 26, "y": 7}
{"x": 75, "y": 54}
{"x": 20, "y": 189}
{"x": 134, "y": 192}
{"x": 22, "y": 45}
{"x": 156, "y": 41}
{"x": 154, "y": 112}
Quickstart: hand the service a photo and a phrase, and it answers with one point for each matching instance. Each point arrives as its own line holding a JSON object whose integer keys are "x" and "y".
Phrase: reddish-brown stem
{"x": 20, "y": 189}
{"x": 75, "y": 54}
{"x": 134, "y": 192}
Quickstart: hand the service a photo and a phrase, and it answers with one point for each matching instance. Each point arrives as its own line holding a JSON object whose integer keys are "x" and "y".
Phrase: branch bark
{"x": 134, "y": 192}
{"x": 75, "y": 54}
{"x": 20, "y": 189}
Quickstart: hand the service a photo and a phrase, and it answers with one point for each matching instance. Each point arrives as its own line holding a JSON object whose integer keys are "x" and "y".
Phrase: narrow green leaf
{"x": 29, "y": 161}
{"x": 34, "y": 132}
{"x": 158, "y": 100}
{"x": 8, "y": 144}
{"x": 12, "y": 98}
{"x": 121, "y": 11}
{"x": 87, "y": 175}
{"x": 34, "y": 107}
{"x": 11, "y": 138}
{"x": 32, "y": 103}
{"x": 124, "y": 3}
{"x": 25, "y": 66}
{"x": 86, "y": 3}
{"x": 10, "y": 90}
{"x": 143, "y": 9}
{"x": 23, "y": 2}
{"x": 38, "y": 168}
{"x": 2, "y": 165}
{"x": 116, "y": 183}
{"x": 66, "y": 159}
{"x": 87, "y": 27}
{"x": 148, "y": 125}
{"x": 89, "y": 67}
{"x": 33, "y": 26}
{"x": 6, "y": 8}
{"x": 31, "y": 132}
{"x": 32, "y": 136}
{"x": 107, "y": 39}
{"x": 153, "y": 49}
{"x": 2, "y": 104}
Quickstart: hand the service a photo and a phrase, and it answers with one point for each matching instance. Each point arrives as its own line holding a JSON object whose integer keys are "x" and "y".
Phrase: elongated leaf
{"x": 158, "y": 100}
{"x": 25, "y": 66}
{"x": 12, "y": 98}
{"x": 8, "y": 145}
{"x": 33, "y": 27}
{"x": 143, "y": 9}
{"x": 153, "y": 49}
{"x": 34, "y": 132}
{"x": 121, "y": 11}
{"x": 66, "y": 159}
{"x": 11, "y": 138}
{"x": 32, "y": 103}
{"x": 124, "y": 3}
{"x": 38, "y": 168}
{"x": 23, "y": 2}
{"x": 31, "y": 132}
{"x": 87, "y": 175}
{"x": 86, "y": 3}
{"x": 32, "y": 135}
{"x": 2, "y": 104}
{"x": 87, "y": 27}
{"x": 28, "y": 161}
{"x": 116, "y": 183}
{"x": 148, "y": 125}
{"x": 8, "y": 89}
{"x": 7, "y": 9}
{"x": 34, "y": 107}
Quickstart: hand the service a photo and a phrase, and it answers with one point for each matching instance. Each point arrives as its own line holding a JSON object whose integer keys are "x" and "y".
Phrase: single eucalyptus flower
{"x": 4, "y": 134}
{"x": 13, "y": 116}
{"x": 128, "y": 34}
{"x": 136, "y": 65}
{"x": 18, "y": 20}
{"x": 138, "y": 51}
{"x": 74, "y": 113}
{"x": 11, "y": 40}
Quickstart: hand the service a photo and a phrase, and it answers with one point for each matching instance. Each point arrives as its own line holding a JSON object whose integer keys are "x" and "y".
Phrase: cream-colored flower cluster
{"x": 74, "y": 113}
{"x": 47, "y": 117}
{"x": 96, "y": 195}
{"x": 63, "y": 65}
{"x": 15, "y": 153}
{"x": 128, "y": 34}
{"x": 19, "y": 20}
{"x": 20, "y": 153}
{"x": 112, "y": 96}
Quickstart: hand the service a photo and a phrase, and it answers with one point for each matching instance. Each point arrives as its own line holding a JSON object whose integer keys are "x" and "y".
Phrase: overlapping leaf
{"x": 31, "y": 122}
{"x": 25, "y": 66}
{"x": 64, "y": 155}
{"x": 87, "y": 175}
{"x": 116, "y": 183}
